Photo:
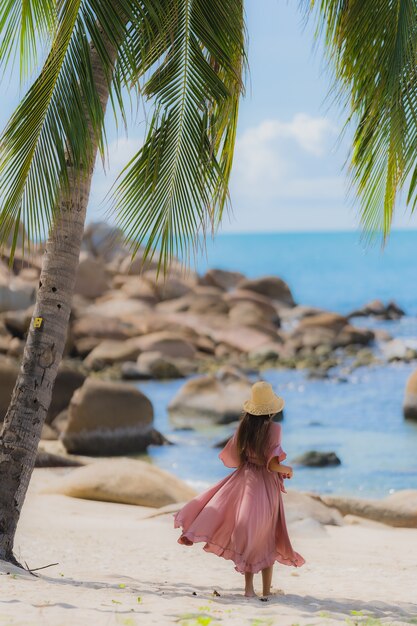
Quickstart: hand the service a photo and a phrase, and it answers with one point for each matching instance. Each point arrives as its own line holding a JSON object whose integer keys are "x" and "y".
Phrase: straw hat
{"x": 263, "y": 400}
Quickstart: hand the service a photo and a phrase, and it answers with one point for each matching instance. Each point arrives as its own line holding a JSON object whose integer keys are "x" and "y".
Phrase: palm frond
{"x": 25, "y": 25}
{"x": 372, "y": 50}
{"x": 176, "y": 186}
{"x": 60, "y": 121}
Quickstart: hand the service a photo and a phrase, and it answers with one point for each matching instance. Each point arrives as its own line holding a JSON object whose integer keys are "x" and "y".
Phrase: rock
{"x": 112, "y": 351}
{"x": 313, "y": 458}
{"x": 5, "y": 341}
{"x": 399, "y": 350}
{"x": 244, "y": 339}
{"x": 398, "y": 509}
{"x": 267, "y": 352}
{"x": 47, "y": 459}
{"x": 244, "y": 295}
{"x": 59, "y": 423}
{"x": 92, "y": 279}
{"x": 136, "y": 266}
{"x": 68, "y": 380}
{"x": 29, "y": 275}
{"x": 126, "y": 481}
{"x": 16, "y": 298}
{"x": 223, "y": 279}
{"x": 195, "y": 303}
{"x": 84, "y": 346}
{"x": 298, "y": 312}
{"x": 271, "y": 287}
{"x": 173, "y": 287}
{"x": 330, "y": 330}
{"x": 102, "y": 328}
{"x": 246, "y": 313}
{"x": 8, "y": 374}
{"x": 301, "y": 506}
{"x": 159, "y": 366}
{"x": 140, "y": 288}
{"x": 410, "y": 398}
{"x": 118, "y": 308}
{"x": 378, "y": 309}
{"x": 207, "y": 400}
{"x": 49, "y": 433}
{"x": 168, "y": 344}
{"x": 17, "y": 322}
{"x": 16, "y": 348}
{"x": 330, "y": 321}
{"x": 104, "y": 241}
{"x": 108, "y": 418}
{"x": 308, "y": 527}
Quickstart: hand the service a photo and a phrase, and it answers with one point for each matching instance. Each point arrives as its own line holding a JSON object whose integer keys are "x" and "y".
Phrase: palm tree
{"x": 185, "y": 57}
{"x": 372, "y": 53}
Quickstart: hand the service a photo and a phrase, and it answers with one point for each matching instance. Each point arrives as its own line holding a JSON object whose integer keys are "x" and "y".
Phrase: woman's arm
{"x": 276, "y": 466}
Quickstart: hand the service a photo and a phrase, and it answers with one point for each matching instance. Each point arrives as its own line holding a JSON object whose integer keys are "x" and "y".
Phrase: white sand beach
{"x": 118, "y": 566}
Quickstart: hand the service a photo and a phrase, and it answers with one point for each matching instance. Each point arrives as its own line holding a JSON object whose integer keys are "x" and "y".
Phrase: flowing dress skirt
{"x": 241, "y": 518}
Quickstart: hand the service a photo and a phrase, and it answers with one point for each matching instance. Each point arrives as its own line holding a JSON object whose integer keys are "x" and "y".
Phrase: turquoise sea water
{"x": 360, "y": 419}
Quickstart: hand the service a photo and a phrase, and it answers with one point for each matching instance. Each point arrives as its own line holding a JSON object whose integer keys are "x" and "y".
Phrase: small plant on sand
{"x": 200, "y": 620}
{"x": 366, "y": 620}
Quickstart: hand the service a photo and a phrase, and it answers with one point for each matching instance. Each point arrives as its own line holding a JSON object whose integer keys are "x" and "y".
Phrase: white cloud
{"x": 278, "y": 159}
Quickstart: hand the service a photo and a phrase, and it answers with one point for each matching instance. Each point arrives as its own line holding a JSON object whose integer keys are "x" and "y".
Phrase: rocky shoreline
{"x": 218, "y": 331}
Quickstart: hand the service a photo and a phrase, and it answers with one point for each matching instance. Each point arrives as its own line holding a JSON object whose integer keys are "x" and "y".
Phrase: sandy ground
{"x": 119, "y": 567}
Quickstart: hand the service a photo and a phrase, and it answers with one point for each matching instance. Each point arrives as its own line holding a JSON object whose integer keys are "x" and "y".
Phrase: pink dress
{"x": 241, "y": 517}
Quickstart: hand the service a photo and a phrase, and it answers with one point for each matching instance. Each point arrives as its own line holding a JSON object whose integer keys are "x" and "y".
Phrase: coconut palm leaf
{"x": 25, "y": 27}
{"x": 372, "y": 51}
{"x": 60, "y": 120}
{"x": 176, "y": 185}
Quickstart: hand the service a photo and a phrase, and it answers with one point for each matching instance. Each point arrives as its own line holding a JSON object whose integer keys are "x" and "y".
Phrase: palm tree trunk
{"x": 22, "y": 426}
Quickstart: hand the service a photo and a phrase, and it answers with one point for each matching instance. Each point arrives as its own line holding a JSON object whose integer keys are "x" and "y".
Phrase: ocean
{"x": 359, "y": 419}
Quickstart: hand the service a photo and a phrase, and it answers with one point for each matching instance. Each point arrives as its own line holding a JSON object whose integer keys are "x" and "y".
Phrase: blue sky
{"x": 289, "y": 171}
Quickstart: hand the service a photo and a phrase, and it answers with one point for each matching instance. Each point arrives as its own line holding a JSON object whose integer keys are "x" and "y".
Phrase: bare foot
{"x": 276, "y": 592}
{"x": 250, "y": 593}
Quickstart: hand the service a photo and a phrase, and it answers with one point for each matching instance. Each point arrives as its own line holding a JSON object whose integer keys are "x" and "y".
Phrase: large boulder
{"x": 314, "y": 458}
{"x": 67, "y": 381}
{"x": 92, "y": 279}
{"x": 15, "y": 296}
{"x": 301, "y": 506}
{"x": 126, "y": 481}
{"x": 160, "y": 366}
{"x": 410, "y": 398}
{"x": 139, "y": 288}
{"x": 168, "y": 344}
{"x": 244, "y": 295}
{"x": 328, "y": 329}
{"x": 8, "y": 374}
{"x": 17, "y": 322}
{"x": 245, "y": 313}
{"x": 118, "y": 308}
{"x": 108, "y": 418}
{"x": 244, "y": 338}
{"x": 222, "y": 279}
{"x": 104, "y": 241}
{"x": 112, "y": 351}
{"x": 271, "y": 287}
{"x": 378, "y": 309}
{"x": 209, "y": 399}
{"x": 102, "y": 328}
{"x": 398, "y": 509}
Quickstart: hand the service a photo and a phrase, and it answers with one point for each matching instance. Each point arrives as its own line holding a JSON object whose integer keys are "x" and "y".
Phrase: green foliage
{"x": 185, "y": 57}
{"x": 372, "y": 50}
{"x": 176, "y": 186}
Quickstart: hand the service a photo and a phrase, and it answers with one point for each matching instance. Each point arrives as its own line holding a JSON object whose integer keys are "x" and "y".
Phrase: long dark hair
{"x": 252, "y": 436}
